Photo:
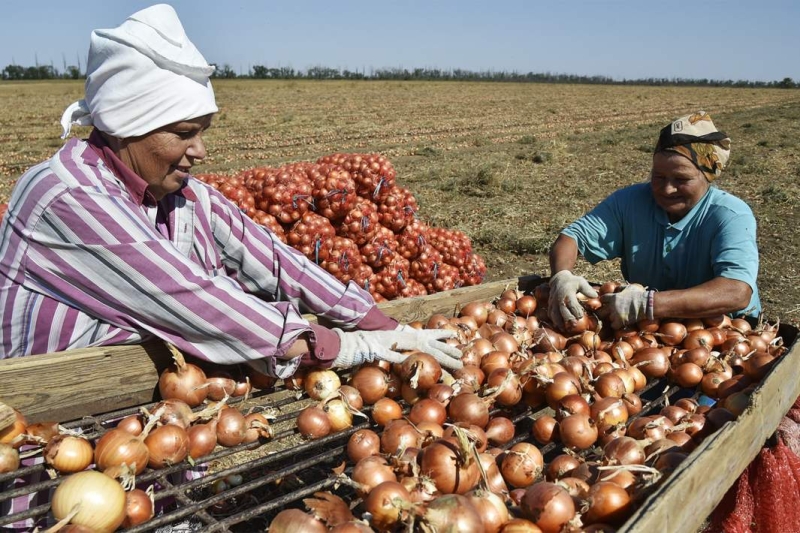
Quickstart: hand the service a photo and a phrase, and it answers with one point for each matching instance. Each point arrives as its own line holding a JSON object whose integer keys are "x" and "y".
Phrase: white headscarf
{"x": 142, "y": 75}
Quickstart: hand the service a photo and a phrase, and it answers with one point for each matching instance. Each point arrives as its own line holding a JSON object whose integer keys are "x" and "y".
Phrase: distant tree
{"x": 259, "y": 72}
{"x": 786, "y": 83}
{"x": 73, "y": 73}
{"x": 14, "y": 72}
{"x": 225, "y": 71}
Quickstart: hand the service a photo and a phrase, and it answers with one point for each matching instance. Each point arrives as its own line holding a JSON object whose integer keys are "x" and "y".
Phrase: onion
{"x": 132, "y": 424}
{"x": 202, "y": 439}
{"x": 295, "y": 521}
{"x": 321, "y": 384}
{"x": 138, "y": 508}
{"x": 490, "y": 507}
{"x": 506, "y": 385}
{"x": 453, "y": 512}
{"x": 10, "y": 433}
{"x": 351, "y": 395}
{"x": 363, "y": 443}
{"x": 9, "y": 459}
{"x": 256, "y": 427}
{"x": 231, "y": 427}
{"x": 623, "y": 451}
{"x": 220, "y": 384}
{"x": 607, "y": 503}
{"x": 168, "y": 445}
{"x": 101, "y": 501}
{"x": 548, "y": 505}
{"x": 522, "y": 465}
{"x": 371, "y": 382}
{"x": 561, "y": 466}
{"x": 386, "y": 410}
{"x": 313, "y": 422}
{"x": 500, "y": 431}
{"x": 427, "y": 410}
{"x": 68, "y": 454}
{"x": 520, "y": 525}
{"x": 453, "y": 471}
{"x": 545, "y": 429}
{"x": 469, "y": 408}
{"x": 687, "y": 375}
{"x": 118, "y": 447}
{"x": 578, "y": 432}
{"x": 399, "y": 434}
{"x": 339, "y": 414}
{"x": 183, "y": 381}
{"x": 41, "y": 432}
{"x": 372, "y": 471}
{"x": 420, "y": 370}
{"x": 385, "y": 503}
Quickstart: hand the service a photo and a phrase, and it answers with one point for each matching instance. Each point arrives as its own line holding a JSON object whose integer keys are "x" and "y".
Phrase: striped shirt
{"x": 87, "y": 258}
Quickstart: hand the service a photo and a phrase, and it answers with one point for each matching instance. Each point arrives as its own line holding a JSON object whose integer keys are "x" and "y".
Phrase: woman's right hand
{"x": 563, "y": 304}
{"x": 359, "y": 347}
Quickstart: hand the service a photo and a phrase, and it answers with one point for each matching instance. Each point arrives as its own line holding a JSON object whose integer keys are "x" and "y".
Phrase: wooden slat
{"x": 62, "y": 386}
{"x": 694, "y": 489}
{"x": 67, "y": 385}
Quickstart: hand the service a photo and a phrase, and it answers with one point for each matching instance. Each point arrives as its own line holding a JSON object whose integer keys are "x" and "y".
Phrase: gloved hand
{"x": 359, "y": 347}
{"x": 563, "y": 304}
{"x": 630, "y": 305}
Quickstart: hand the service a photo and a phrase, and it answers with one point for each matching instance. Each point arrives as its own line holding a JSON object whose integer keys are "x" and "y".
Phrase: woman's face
{"x": 677, "y": 184}
{"x": 164, "y": 156}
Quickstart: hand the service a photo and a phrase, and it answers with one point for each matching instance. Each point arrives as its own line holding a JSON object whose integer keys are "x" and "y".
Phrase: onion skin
{"x": 440, "y": 463}
{"x": 101, "y": 499}
{"x": 313, "y": 423}
{"x": 381, "y": 504}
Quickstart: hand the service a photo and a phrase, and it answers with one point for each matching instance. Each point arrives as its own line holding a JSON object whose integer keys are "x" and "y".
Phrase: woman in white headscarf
{"x": 112, "y": 241}
{"x": 687, "y": 247}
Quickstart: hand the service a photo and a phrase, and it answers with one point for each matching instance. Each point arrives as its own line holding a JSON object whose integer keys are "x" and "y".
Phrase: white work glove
{"x": 359, "y": 347}
{"x": 628, "y": 306}
{"x": 563, "y": 304}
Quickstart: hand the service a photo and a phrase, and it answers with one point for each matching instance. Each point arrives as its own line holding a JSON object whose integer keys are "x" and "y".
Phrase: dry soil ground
{"x": 509, "y": 164}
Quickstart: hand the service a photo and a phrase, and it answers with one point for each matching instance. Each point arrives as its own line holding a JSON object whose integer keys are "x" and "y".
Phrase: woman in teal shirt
{"x": 690, "y": 245}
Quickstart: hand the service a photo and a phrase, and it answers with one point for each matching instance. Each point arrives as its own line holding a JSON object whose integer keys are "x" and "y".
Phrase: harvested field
{"x": 509, "y": 164}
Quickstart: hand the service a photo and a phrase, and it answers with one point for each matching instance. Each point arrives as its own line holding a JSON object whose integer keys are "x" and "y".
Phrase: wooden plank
{"x": 447, "y": 302}
{"x": 690, "y": 494}
{"x": 67, "y": 385}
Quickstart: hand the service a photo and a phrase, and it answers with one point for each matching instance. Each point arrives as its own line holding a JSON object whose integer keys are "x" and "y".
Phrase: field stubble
{"x": 509, "y": 164}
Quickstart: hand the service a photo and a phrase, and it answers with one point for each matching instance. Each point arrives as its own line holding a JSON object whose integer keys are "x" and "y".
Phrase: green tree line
{"x": 48, "y": 72}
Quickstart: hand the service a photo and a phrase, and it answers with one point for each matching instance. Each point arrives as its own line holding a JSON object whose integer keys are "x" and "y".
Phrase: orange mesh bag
{"x": 734, "y": 514}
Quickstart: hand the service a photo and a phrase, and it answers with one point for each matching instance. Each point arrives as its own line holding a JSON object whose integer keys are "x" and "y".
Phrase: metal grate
{"x": 284, "y": 471}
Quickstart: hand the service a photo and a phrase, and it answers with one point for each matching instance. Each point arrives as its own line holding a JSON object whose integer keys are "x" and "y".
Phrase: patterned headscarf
{"x": 695, "y": 137}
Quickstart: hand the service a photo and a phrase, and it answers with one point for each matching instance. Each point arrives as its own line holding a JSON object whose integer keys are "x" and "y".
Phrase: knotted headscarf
{"x": 695, "y": 137}
{"x": 142, "y": 75}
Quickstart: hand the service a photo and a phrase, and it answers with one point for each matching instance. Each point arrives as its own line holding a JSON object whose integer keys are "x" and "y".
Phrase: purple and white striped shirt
{"x": 87, "y": 260}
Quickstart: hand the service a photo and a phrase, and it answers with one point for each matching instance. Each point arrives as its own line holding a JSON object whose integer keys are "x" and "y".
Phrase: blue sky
{"x": 735, "y": 39}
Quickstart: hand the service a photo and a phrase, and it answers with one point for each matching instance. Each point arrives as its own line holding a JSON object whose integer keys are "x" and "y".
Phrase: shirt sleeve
{"x": 100, "y": 254}
{"x": 599, "y": 233}
{"x": 734, "y": 252}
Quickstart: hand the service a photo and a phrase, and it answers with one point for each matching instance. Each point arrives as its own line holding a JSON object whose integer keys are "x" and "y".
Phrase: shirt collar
{"x": 136, "y": 185}
{"x": 661, "y": 215}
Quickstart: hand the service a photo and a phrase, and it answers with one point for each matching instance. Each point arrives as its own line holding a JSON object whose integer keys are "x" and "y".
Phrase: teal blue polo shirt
{"x": 717, "y": 238}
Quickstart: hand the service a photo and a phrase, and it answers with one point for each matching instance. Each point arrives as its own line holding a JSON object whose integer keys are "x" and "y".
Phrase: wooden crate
{"x": 68, "y": 385}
